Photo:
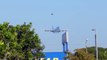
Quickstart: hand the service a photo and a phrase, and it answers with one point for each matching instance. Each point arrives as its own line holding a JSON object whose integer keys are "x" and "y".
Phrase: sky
{"x": 79, "y": 17}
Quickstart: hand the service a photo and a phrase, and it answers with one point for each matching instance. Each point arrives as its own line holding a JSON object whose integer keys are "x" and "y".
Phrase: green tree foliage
{"x": 102, "y": 52}
{"x": 17, "y": 41}
{"x": 82, "y": 54}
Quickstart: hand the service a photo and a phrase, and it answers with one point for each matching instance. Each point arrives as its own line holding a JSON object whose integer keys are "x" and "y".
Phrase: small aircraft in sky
{"x": 55, "y": 30}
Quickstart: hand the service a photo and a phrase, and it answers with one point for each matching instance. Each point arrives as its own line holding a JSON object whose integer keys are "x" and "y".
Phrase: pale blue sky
{"x": 78, "y": 16}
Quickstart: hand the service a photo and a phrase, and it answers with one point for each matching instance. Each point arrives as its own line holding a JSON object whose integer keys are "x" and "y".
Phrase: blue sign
{"x": 54, "y": 56}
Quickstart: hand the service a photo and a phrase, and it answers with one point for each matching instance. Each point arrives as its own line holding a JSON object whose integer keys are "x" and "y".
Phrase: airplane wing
{"x": 63, "y": 30}
{"x": 48, "y": 30}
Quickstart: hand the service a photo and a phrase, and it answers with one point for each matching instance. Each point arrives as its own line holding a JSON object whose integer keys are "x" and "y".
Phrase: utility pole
{"x": 96, "y": 48}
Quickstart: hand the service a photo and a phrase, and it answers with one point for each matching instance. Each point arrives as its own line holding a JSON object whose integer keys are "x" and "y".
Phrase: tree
{"x": 81, "y": 54}
{"x": 102, "y": 52}
{"x": 16, "y": 42}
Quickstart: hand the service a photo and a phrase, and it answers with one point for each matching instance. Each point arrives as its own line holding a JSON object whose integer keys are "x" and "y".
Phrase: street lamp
{"x": 86, "y": 44}
{"x": 96, "y": 48}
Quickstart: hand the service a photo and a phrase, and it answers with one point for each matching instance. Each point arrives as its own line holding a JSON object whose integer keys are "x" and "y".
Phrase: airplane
{"x": 56, "y": 30}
